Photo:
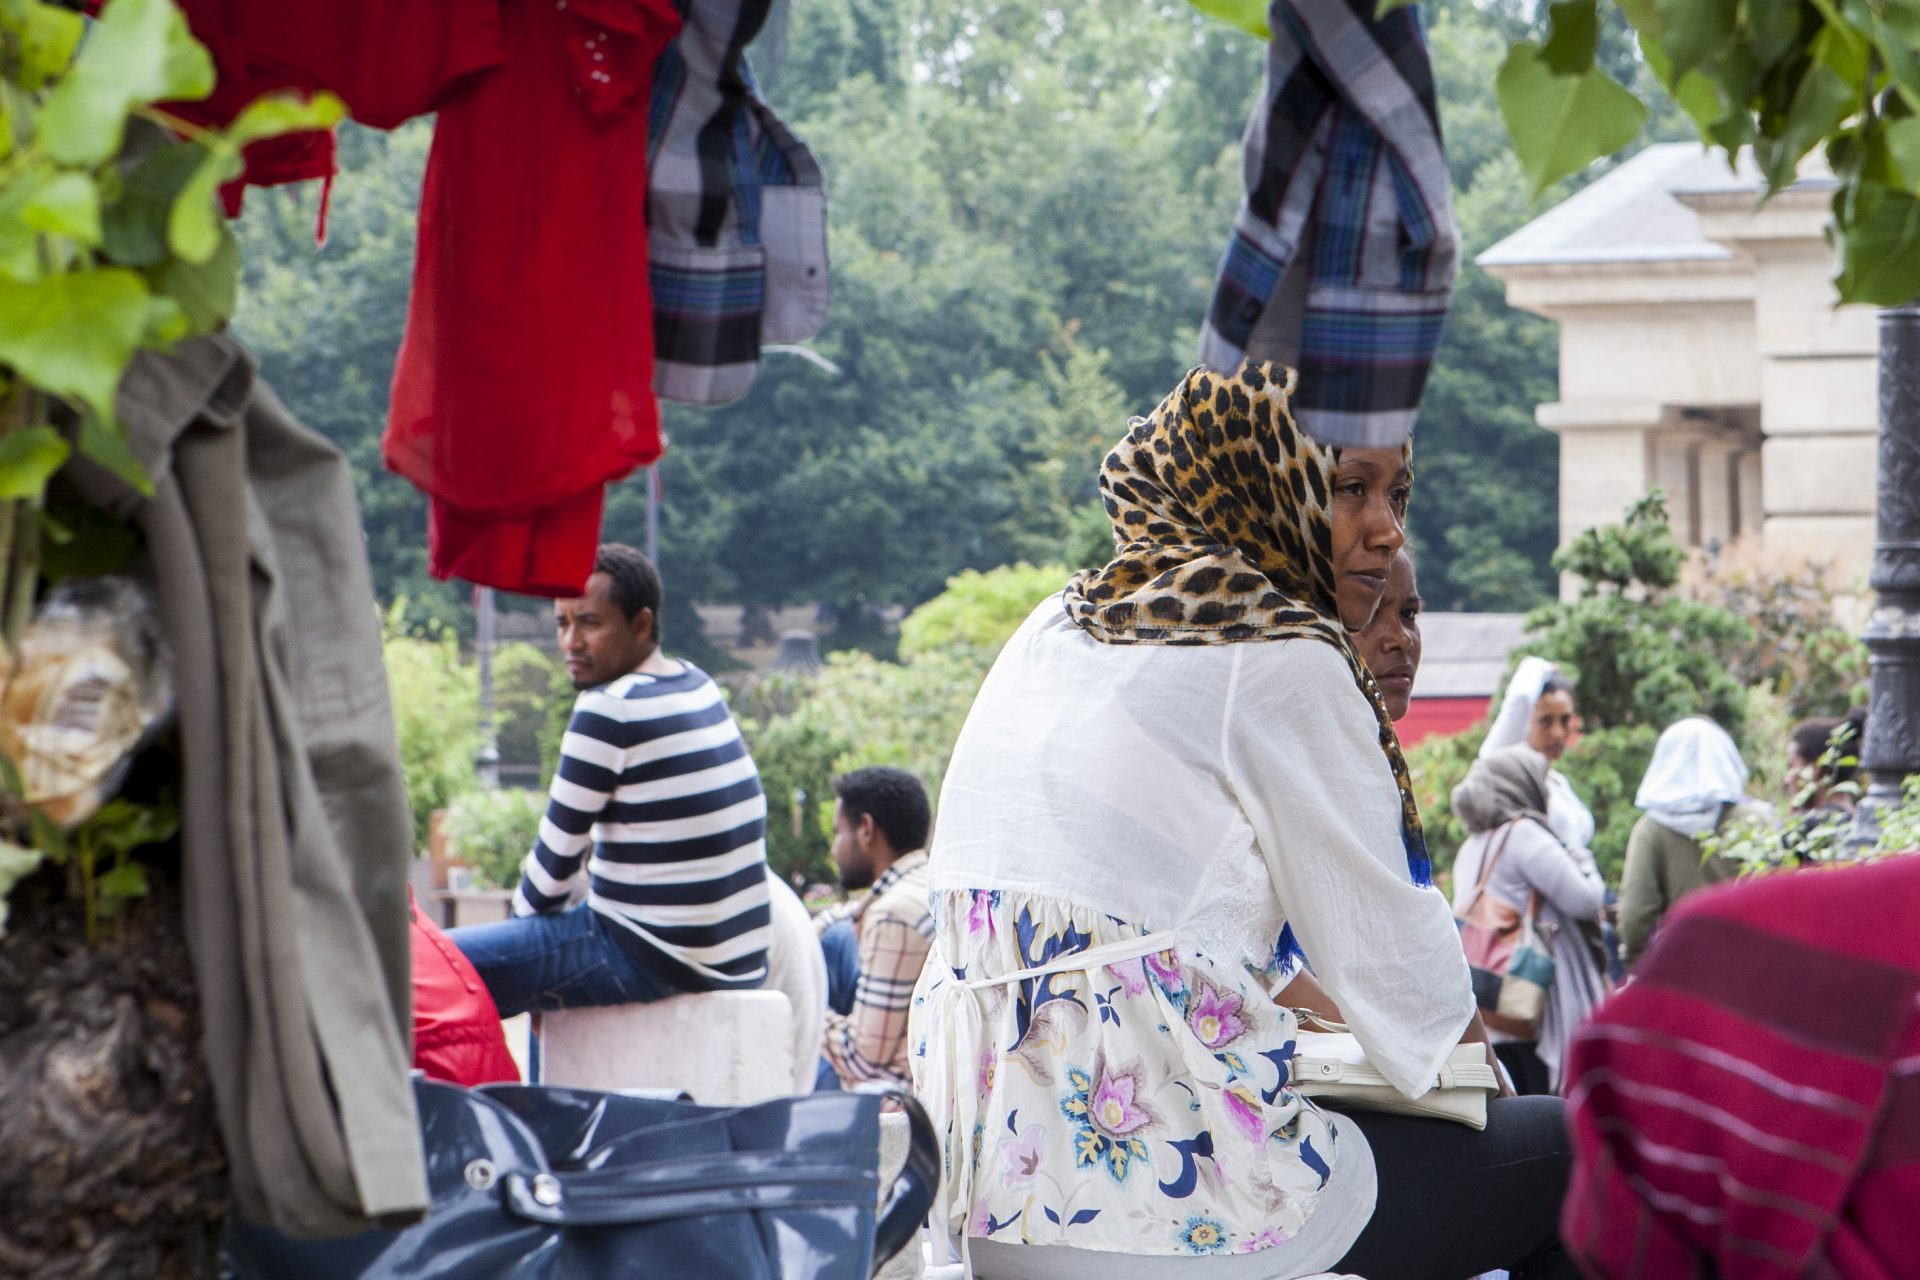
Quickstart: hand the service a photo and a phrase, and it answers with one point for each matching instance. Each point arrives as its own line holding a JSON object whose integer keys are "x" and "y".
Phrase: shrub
{"x": 436, "y": 715}
{"x": 858, "y": 710}
{"x": 532, "y": 701}
{"x": 1643, "y": 655}
{"x": 979, "y": 611}
{"x": 1798, "y": 649}
{"x": 491, "y": 830}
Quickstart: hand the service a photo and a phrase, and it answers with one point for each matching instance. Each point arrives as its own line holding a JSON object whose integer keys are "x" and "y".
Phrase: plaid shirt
{"x": 736, "y": 213}
{"x": 1342, "y": 258}
{"x": 896, "y": 932}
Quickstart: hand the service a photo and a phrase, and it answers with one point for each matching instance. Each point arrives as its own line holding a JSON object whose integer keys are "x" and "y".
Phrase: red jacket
{"x": 456, "y": 1028}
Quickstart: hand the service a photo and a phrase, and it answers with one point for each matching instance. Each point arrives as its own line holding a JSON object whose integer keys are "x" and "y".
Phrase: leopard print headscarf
{"x": 1219, "y": 505}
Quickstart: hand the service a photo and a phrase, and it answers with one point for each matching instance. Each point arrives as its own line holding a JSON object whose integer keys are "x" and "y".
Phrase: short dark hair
{"x": 893, "y": 798}
{"x": 635, "y": 583}
{"x": 1811, "y": 738}
{"x": 1556, "y": 683}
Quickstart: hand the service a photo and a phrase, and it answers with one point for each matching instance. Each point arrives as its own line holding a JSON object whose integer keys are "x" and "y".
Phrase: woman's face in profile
{"x": 1551, "y": 731}
{"x": 1370, "y": 492}
{"x": 1390, "y": 646}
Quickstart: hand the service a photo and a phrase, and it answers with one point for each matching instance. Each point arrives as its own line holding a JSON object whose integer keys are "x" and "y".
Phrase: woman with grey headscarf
{"x": 1513, "y": 855}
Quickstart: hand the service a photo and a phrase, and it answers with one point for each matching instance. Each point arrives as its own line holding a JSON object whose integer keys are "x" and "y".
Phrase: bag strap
{"x": 1486, "y": 868}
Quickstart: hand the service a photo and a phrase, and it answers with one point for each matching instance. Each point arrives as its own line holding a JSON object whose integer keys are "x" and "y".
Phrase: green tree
{"x": 436, "y": 716}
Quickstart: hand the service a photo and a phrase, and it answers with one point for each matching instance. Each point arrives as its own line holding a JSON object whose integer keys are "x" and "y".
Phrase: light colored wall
{"x": 1639, "y": 341}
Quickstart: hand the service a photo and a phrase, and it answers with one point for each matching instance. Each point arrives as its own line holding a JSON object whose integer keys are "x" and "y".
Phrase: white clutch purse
{"x": 1330, "y": 1066}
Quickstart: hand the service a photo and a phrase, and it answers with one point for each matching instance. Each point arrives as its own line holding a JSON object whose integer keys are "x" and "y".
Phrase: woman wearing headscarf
{"x": 1177, "y": 783}
{"x": 1513, "y": 854}
{"x": 1696, "y": 784}
{"x": 1539, "y": 709}
{"x": 1390, "y": 644}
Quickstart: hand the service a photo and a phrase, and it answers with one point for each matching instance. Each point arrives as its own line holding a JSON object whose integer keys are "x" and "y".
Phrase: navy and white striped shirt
{"x": 655, "y": 777}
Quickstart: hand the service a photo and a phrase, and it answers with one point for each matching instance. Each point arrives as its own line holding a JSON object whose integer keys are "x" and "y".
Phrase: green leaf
{"x": 128, "y": 880}
{"x": 135, "y": 221}
{"x": 1821, "y": 103}
{"x": 1902, "y": 67}
{"x": 167, "y": 322}
{"x": 1695, "y": 32}
{"x": 28, "y": 460}
{"x": 66, "y": 204}
{"x": 139, "y": 52}
{"x": 280, "y": 113}
{"x": 206, "y": 291}
{"x": 19, "y": 243}
{"x": 1251, "y": 15}
{"x": 1572, "y": 37}
{"x": 73, "y": 334}
{"x": 121, "y": 826}
{"x": 108, "y": 447}
{"x": 16, "y": 864}
{"x": 193, "y": 225}
{"x": 48, "y": 37}
{"x": 1878, "y": 228}
{"x": 1561, "y": 124}
{"x": 1902, "y": 141}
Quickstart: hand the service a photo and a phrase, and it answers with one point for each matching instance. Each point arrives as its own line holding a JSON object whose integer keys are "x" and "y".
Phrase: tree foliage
{"x": 436, "y": 716}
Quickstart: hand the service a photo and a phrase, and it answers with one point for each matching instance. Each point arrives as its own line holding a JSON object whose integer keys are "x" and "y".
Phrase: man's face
{"x": 599, "y": 642}
{"x": 852, "y": 851}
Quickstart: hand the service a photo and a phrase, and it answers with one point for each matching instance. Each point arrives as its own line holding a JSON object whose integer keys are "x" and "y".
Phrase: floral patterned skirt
{"x": 1108, "y": 1089}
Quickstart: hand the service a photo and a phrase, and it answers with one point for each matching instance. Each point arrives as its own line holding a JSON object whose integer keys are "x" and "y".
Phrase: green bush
{"x": 491, "y": 830}
{"x": 436, "y": 715}
{"x": 979, "y": 611}
{"x": 1643, "y": 655}
{"x": 532, "y": 700}
{"x": 857, "y": 711}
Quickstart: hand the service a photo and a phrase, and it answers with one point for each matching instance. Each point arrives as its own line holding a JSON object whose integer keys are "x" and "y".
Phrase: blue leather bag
{"x": 533, "y": 1182}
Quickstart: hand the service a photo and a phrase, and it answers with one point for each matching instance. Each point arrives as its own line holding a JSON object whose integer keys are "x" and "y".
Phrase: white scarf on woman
{"x": 1567, "y": 815}
{"x": 1696, "y": 769}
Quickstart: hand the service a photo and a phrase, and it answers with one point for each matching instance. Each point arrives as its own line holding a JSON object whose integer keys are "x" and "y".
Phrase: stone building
{"x": 1701, "y": 351}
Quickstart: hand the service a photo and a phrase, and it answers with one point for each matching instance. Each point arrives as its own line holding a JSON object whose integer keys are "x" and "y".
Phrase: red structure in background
{"x": 1463, "y": 668}
{"x": 1439, "y": 717}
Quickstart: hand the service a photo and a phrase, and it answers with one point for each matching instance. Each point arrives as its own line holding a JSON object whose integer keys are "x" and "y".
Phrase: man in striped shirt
{"x": 649, "y": 877}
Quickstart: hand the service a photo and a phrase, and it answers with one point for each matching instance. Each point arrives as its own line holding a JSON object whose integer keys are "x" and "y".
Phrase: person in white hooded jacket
{"x": 1539, "y": 710}
{"x": 1696, "y": 784}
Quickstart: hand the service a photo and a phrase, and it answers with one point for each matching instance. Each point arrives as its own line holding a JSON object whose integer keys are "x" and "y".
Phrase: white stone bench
{"x": 722, "y": 1047}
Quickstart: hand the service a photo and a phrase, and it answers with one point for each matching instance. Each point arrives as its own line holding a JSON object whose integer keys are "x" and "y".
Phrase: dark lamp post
{"x": 1891, "y": 752}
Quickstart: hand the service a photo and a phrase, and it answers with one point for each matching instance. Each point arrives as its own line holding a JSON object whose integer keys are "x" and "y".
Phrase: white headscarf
{"x": 1695, "y": 770}
{"x": 1567, "y": 815}
{"x": 1516, "y": 708}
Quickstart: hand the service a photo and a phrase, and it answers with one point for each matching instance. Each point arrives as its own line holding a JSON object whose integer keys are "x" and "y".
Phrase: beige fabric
{"x": 295, "y": 829}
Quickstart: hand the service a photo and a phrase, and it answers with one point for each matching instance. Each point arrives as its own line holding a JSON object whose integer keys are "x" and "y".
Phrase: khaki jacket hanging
{"x": 295, "y": 832}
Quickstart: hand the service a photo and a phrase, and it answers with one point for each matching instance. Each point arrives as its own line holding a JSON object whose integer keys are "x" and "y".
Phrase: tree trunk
{"x": 112, "y": 1161}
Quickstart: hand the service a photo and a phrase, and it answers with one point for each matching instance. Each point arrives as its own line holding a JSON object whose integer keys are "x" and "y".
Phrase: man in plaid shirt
{"x": 880, "y": 822}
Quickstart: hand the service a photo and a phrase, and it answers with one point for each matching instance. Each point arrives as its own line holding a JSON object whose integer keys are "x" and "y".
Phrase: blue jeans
{"x": 842, "y": 949}
{"x": 565, "y": 960}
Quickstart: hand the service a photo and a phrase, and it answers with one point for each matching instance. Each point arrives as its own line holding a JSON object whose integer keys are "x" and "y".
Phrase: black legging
{"x": 1454, "y": 1203}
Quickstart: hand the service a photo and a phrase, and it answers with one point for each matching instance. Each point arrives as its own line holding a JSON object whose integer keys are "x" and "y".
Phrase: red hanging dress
{"x": 525, "y": 380}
